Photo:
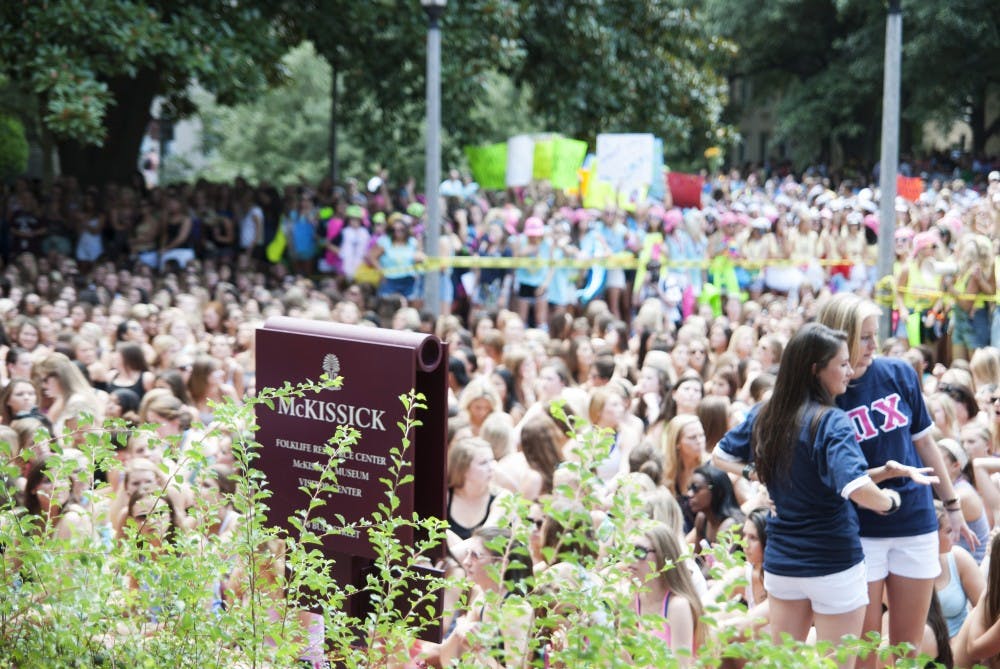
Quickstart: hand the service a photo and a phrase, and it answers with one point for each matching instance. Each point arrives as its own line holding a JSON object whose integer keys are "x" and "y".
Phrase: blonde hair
{"x": 985, "y": 366}
{"x": 668, "y": 447}
{"x": 672, "y": 569}
{"x": 480, "y": 387}
{"x": 70, "y": 378}
{"x": 948, "y": 407}
{"x": 846, "y": 312}
{"x": 164, "y": 403}
{"x": 497, "y": 430}
{"x": 662, "y": 507}
{"x": 460, "y": 457}
{"x": 735, "y": 338}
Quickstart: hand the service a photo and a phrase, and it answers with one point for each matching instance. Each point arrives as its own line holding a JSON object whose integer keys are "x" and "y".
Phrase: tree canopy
{"x": 822, "y": 63}
{"x": 619, "y": 66}
{"x": 95, "y": 67}
{"x": 582, "y": 68}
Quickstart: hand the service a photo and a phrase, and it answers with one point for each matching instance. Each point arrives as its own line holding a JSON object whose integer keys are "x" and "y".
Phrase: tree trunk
{"x": 48, "y": 146}
{"x": 977, "y": 121}
{"x": 334, "y": 110}
{"x": 124, "y": 125}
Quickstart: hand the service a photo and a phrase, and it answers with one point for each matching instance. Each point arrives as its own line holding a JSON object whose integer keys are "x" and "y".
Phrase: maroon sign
{"x": 377, "y": 366}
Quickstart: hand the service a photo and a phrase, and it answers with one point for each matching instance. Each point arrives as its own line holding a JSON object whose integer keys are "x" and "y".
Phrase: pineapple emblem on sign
{"x": 331, "y": 366}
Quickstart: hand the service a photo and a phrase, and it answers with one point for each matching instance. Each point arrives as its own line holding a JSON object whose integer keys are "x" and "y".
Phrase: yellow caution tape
{"x": 617, "y": 261}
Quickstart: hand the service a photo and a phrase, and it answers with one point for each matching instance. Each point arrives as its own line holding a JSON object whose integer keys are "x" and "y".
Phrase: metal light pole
{"x": 890, "y": 154}
{"x": 432, "y": 181}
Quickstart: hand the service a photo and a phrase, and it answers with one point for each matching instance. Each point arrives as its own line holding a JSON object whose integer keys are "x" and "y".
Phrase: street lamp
{"x": 890, "y": 157}
{"x": 432, "y": 279}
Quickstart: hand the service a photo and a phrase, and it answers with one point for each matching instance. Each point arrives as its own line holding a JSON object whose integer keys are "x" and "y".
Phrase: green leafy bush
{"x": 103, "y": 601}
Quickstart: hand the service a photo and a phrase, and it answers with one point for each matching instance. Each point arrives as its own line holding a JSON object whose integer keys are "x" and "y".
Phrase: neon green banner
{"x": 488, "y": 165}
{"x": 543, "y": 158}
{"x": 567, "y": 157}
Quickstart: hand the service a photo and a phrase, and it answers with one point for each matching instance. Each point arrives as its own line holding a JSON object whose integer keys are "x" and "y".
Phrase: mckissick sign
{"x": 377, "y": 366}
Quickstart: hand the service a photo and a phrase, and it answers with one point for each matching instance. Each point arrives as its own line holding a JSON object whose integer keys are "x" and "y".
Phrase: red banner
{"x": 685, "y": 189}
{"x": 909, "y": 188}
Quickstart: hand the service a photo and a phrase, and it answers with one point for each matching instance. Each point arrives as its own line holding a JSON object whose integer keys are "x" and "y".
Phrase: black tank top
{"x": 462, "y": 531}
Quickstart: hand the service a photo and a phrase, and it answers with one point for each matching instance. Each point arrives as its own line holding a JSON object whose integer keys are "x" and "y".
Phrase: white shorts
{"x": 910, "y": 557}
{"x": 842, "y": 592}
{"x": 616, "y": 279}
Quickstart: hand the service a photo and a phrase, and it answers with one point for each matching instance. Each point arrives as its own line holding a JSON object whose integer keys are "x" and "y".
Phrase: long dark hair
{"x": 759, "y": 518}
{"x": 776, "y": 430}
{"x": 939, "y": 627}
{"x": 724, "y": 503}
{"x": 993, "y": 583}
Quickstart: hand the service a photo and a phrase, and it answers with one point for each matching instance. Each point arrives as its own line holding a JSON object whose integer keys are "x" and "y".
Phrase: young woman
{"x": 960, "y": 471}
{"x": 533, "y": 283}
{"x": 713, "y": 503}
{"x": 478, "y": 400}
{"x": 541, "y": 444}
{"x": 687, "y": 394}
{"x": 891, "y": 424}
{"x": 807, "y": 454}
{"x": 395, "y": 253}
{"x": 58, "y": 502}
{"x": 683, "y": 448}
{"x": 960, "y": 583}
{"x": 978, "y": 642}
{"x": 667, "y": 594}
{"x": 91, "y": 220}
{"x": 19, "y": 399}
{"x": 63, "y": 385}
{"x": 553, "y": 378}
{"x": 130, "y": 370}
{"x": 747, "y": 582}
{"x": 607, "y": 411}
{"x": 919, "y": 287}
{"x": 652, "y": 394}
{"x": 497, "y": 566}
{"x": 975, "y": 284}
{"x": 470, "y": 490}
{"x": 208, "y": 384}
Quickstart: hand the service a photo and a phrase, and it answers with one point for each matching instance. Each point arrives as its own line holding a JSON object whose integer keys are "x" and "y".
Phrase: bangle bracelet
{"x": 749, "y": 470}
{"x": 893, "y": 506}
{"x": 950, "y": 502}
{"x": 950, "y": 509}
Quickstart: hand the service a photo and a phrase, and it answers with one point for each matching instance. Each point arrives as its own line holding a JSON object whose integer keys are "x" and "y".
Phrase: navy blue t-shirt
{"x": 888, "y": 413}
{"x": 815, "y": 529}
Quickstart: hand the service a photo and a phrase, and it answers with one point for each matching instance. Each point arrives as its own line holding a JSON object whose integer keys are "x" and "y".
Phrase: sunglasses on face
{"x": 641, "y": 552}
{"x": 696, "y": 488}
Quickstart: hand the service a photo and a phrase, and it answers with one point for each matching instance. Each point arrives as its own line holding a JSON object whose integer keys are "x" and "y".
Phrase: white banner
{"x": 520, "y": 160}
{"x": 624, "y": 160}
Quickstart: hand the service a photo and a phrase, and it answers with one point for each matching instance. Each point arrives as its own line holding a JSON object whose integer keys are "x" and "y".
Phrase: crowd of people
{"x": 732, "y": 357}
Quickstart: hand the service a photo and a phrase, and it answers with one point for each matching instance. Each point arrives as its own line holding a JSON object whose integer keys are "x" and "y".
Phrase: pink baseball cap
{"x": 924, "y": 239}
{"x": 672, "y": 219}
{"x": 534, "y": 227}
